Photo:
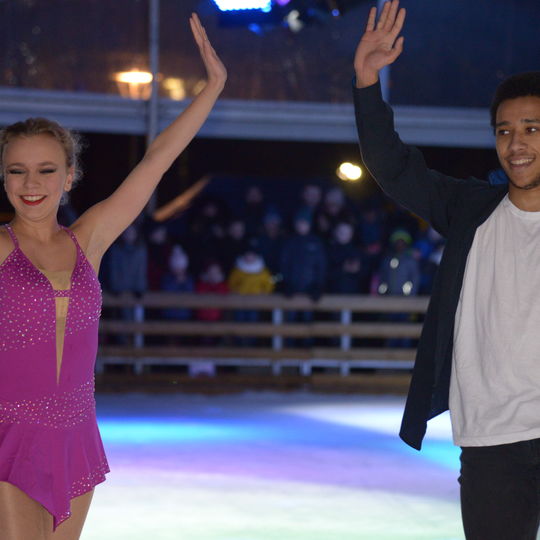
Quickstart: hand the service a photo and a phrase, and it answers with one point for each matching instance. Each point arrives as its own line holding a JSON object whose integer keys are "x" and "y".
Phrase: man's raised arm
{"x": 399, "y": 169}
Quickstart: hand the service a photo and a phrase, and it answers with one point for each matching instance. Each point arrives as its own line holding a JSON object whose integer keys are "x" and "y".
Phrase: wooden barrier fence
{"x": 342, "y": 340}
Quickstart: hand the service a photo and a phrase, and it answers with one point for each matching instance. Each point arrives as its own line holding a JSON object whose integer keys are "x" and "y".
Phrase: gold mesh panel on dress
{"x": 60, "y": 281}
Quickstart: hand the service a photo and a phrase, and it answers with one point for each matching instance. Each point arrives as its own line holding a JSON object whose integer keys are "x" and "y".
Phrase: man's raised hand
{"x": 380, "y": 44}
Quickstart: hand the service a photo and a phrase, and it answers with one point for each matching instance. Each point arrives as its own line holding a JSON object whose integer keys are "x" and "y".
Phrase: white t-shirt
{"x": 495, "y": 381}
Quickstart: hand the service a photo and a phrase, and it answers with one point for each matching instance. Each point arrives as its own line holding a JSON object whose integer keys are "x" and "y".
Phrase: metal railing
{"x": 345, "y": 332}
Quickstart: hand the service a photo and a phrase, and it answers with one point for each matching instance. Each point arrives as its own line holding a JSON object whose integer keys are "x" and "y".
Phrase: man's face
{"x": 517, "y": 131}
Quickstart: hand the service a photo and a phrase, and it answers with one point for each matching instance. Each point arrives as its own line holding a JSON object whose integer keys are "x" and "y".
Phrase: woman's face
{"x": 35, "y": 175}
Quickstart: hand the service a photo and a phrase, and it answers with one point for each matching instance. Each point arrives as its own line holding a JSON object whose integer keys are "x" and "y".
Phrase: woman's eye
{"x": 47, "y": 171}
{"x": 15, "y": 171}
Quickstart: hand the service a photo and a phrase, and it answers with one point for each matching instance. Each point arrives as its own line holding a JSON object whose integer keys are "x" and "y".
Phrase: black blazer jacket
{"x": 455, "y": 208}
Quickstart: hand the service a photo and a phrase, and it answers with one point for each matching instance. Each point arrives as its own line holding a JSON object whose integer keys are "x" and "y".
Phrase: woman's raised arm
{"x": 100, "y": 225}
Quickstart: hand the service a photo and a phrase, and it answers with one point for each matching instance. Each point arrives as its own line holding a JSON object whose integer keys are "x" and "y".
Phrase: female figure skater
{"x": 51, "y": 455}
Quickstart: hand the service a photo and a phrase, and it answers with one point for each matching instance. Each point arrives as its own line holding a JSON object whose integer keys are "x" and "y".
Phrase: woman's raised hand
{"x": 217, "y": 74}
{"x": 380, "y": 44}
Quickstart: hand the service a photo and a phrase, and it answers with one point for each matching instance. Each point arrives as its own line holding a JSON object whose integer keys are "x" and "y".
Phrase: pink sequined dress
{"x": 50, "y": 446}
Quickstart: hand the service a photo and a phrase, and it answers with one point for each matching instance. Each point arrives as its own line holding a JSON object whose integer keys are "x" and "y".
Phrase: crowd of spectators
{"x": 325, "y": 244}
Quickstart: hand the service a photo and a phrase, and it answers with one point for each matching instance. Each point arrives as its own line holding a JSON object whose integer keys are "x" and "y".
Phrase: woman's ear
{"x": 69, "y": 179}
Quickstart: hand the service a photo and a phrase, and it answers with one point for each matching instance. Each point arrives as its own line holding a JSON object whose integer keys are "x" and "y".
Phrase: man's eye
{"x": 15, "y": 171}
{"x": 47, "y": 171}
{"x": 502, "y": 132}
{"x": 532, "y": 129}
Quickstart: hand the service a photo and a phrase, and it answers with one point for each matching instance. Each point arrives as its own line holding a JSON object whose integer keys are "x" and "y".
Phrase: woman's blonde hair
{"x": 71, "y": 142}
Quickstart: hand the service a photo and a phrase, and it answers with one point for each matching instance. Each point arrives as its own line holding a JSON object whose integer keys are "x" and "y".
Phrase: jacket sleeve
{"x": 399, "y": 169}
{"x": 267, "y": 282}
{"x": 234, "y": 280}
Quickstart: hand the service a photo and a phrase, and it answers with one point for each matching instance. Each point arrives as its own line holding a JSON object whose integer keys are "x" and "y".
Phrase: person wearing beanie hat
{"x": 401, "y": 234}
{"x": 399, "y": 273}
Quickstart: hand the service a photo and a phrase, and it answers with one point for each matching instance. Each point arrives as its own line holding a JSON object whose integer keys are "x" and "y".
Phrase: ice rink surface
{"x": 271, "y": 466}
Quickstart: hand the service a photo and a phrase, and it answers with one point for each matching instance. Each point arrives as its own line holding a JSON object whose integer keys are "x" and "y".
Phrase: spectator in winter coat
{"x": 177, "y": 279}
{"x": 233, "y": 244}
{"x": 159, "y": 249}
{"x": 249, "y": 276}
{"x": 310, "y": 199}
{"x": 211, "y": 281}
{"x": 303, "y": 260}
{"x": 125, "y": 271}
{"x": 254, "y": 210}
{"x": 303, "y": 267}
{"x": 270, "y": 242}
{"x": 428, "y": 250}
{"x": 332, "y": 211}
{"x": 127, "y": 262}
{"x": 399, "y": 273}
{"x": 207, "y": 225}
{"x": 371, "y": 229}
{"x": 345, "y": 264}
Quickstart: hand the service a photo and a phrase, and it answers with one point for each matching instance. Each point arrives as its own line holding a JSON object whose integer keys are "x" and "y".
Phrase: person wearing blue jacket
{"x": 303, "y": 260}
{"x": 479, "y": 353}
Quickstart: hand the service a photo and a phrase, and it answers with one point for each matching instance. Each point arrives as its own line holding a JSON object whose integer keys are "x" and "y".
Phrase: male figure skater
{"x": 479, "y": 353}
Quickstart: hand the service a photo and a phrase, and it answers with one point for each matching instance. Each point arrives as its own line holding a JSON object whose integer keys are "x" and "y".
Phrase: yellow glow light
{"x": 134, "y": 77}
{"x": 134, "y": 84}
{"x": 175, "y": 87}
{"x": 349, "y": 172}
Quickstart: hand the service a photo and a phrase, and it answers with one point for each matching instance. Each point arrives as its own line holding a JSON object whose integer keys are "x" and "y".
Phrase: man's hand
{"x": 380, "y": 44}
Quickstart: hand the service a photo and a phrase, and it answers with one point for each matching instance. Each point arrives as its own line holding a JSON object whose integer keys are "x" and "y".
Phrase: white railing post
{"x": 345, "y": 340}
{"x": 277, "y": 319}
{"x": 138, "y": 312}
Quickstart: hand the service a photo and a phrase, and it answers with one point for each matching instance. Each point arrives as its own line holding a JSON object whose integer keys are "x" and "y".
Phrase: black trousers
{"x": 500, "y": 491}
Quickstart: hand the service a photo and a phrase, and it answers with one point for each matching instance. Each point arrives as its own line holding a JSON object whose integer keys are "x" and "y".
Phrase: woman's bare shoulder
{"x": 84, "y": 234}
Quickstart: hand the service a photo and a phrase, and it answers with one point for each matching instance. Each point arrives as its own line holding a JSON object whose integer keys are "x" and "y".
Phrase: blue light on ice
{"x": 131, "y": 430}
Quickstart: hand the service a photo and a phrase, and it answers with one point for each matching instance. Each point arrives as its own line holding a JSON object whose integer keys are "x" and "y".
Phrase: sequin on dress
{"x": 50, "y": 446}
